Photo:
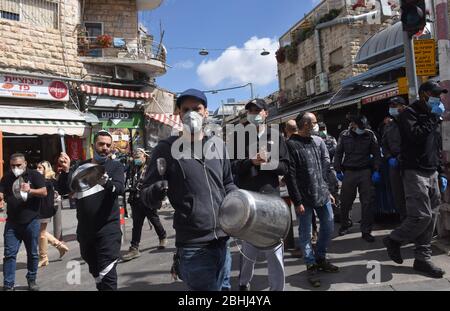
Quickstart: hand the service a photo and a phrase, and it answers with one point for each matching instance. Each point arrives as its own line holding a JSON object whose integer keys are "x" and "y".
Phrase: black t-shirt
{"x": 18, "y": 211}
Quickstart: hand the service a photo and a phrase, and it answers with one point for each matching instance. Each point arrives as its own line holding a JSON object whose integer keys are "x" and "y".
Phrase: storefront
{"x": 160, "y": 126}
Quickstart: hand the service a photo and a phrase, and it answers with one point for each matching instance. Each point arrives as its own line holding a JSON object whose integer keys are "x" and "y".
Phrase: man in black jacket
{"x": 252, "y": 173}
{"x": 98, "y": 213}
{"x": 197, "y": 179}
{"x": 422, "y": 171}
{"x": 307, "y": 183}
{"x": 391, "y": 143}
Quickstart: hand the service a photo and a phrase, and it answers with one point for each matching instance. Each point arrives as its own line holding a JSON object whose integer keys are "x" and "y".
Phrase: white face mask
{"x": 255, "y": 119}
{"x": 193, "y": 122}
{"x": 316, "y": 128}
{"x": 18, "y": 171}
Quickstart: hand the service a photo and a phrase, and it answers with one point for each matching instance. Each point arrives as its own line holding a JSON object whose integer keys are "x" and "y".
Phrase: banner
{"x": 17, "y": 86}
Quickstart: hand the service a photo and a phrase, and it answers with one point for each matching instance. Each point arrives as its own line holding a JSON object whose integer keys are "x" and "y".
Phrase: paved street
{"x": 151, "y": 271}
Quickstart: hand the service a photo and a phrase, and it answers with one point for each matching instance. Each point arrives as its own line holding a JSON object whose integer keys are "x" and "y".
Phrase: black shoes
{"x": 368, "y": 237}
{"x": 393, "y": 250}
{"x": 312, "y": 272}
{"x": 428, "y": 268}
{"x": 8, "y": 289}
{"x": 345, "y": 228}
{"x": 324, "y": 265}
{"x": 32, "y": 286}
{"x": 244, "y": 288}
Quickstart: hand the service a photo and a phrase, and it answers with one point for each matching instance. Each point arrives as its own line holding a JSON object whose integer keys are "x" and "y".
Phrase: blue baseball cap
{"x": 193, "y": 93}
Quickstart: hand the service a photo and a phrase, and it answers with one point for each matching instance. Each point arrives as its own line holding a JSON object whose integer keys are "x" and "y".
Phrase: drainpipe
{"x": 343, "y": 20}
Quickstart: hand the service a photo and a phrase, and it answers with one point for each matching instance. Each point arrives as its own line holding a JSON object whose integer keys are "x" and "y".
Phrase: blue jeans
{"x": 325, "y": 214}
{"x": 203, "y": 268}
{"x": 13, "y": 236}
{"x": 226, "y": 280}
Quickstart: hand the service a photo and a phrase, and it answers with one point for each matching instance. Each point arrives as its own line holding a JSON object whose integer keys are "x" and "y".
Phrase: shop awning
{"x": 169, "y": 119}
{"x": 295, "y": 112}
{"x": 348, "y": 96}
{"x": 41, "y": 121}
{"x": 41, "y": 127}
{"x": 96, "y": 90}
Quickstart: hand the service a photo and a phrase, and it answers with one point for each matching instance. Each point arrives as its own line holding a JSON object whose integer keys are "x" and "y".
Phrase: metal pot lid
{"x": 235, "y": 211}
{"x": 86, "y": 176}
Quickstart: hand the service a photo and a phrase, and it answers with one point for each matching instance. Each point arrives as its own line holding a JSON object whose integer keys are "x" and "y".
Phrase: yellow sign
{"x": 425, "y": 54}
{"x": 403, "y": 86}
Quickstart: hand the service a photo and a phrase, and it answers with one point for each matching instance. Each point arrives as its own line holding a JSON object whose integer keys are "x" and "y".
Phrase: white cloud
{"x": 185, "y": 64}
{"x": 242, "y": 65}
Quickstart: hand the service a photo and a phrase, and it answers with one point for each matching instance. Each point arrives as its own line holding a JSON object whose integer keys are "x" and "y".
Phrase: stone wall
{"x": 27, "y": 47}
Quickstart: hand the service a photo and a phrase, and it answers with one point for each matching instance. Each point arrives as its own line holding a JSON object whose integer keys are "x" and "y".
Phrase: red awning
{"x": 96, "y": 90}
{"x": 166, "y": 118}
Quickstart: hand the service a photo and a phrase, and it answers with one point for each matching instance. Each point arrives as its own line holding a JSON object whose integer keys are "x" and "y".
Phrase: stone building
{"x": 318, "y": 52}
{"x": 77, "y": 65}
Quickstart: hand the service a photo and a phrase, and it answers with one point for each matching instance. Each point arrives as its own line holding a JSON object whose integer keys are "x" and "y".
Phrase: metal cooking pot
{"x": 19, "y": 195}
{"x": 260, "y": 219}
{"x": 86, "y": 176}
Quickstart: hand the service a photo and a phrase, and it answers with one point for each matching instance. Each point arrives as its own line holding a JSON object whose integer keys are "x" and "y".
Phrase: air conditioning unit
{"x": 321, "y": 83}
{"x": 123, "y": 73}
{"x": 310, "y": 88}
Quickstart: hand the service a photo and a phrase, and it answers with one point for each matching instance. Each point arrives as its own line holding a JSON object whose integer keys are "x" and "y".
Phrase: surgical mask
{"x": 394, "y": 112}
{"x": 255, "y": 119}
{"x": 359, "y": 131}
{"x": 99, "y": 158}
{"x": 193, "y": 121}
{"x": 316, "y": 128}
{"x": 433, "y": 101}
{"x": 18, "y": 171}
{"x": 137, "y": 162}
{"x": 323, "y": 133}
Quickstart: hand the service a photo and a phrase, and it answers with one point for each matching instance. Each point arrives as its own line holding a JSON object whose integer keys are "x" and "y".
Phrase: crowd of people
{"x": 310, "y": 162}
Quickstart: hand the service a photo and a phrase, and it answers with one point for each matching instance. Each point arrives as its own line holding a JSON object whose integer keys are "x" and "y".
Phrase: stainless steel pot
{"x": 260, "y": 219}
{"x": 86, "y": 176}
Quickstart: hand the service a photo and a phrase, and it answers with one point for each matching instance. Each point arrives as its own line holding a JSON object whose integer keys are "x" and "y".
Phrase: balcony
{"x": 147, "y": 5}
{"x": 140, "y": 54}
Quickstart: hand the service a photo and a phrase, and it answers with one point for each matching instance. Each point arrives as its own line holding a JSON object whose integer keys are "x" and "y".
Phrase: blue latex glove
{"x": 340, "y": 176}
{"x": 438, "y": 110}
{"x": 444, "y": 183}
{"x": 393, "y": 163}
{"x": 376, "y": 177}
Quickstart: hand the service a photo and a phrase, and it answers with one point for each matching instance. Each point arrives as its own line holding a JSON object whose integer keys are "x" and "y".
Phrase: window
{"x": 309, "y": 72}
{"x": 43, "y": 13}
{"x": 336, "y": 60}
{"x": 93, "y": 30}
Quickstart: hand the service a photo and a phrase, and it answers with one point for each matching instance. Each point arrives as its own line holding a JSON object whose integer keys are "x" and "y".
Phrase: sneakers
{"x": 428, "y": 268}
{"x": 8, "y": 289}
{"x": 162, "y": 243}
{"x": 244, "y": 288}
{"x": 133, "y": 253}
{"x": 313, "y": 278}
{"x": 368, "y": 237}
{"x": 324, "y": 265}
{"x": 393, "y": 250}
{"x": 32, "y": 286}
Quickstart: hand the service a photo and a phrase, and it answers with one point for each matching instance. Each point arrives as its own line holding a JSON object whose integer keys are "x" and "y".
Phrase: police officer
{"x": 357, "y": 162}
{"x": 423, "y": 177}
{"x": 141, "y": 211}
{"x": 391, "y": 145}
{"x": 98, "y": 213}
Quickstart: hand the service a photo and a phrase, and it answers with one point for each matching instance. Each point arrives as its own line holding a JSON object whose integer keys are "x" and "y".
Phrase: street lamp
{"x": 203, "y": 52}
{"x": 265, "y": 52}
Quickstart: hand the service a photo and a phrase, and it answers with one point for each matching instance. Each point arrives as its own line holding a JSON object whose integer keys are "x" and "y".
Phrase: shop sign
{"x": 17, "y": 86}
{"x": 379, "y": 96}
{"x": 114, "y": 115}
{"x": 425, "y": 54}
{"x": 403, "y": 86}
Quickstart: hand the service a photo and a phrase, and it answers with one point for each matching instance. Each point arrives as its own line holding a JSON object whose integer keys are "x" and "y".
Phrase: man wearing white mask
{"x": 251, "y": 174}
{"x": 22, "y": 189}
{"x": 196, "y": 184}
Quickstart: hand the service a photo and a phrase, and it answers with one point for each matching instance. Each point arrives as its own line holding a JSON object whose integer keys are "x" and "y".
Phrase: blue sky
{"x": 244, "y": 26}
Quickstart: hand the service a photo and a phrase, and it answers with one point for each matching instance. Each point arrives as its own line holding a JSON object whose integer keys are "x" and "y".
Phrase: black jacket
{"x": 197, "y": 188}
{"x": 356, "y": 152}
{"x": 309, "y": 169}
{"x": 391, "y": 141}
{"x": 421, "y": 139}
{"x": 96, "y": 211}
{"x": 47, "y": 209}
{"x": 251, "y": 177}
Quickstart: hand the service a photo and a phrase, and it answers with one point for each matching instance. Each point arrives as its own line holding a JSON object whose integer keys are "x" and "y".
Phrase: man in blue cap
{"x": 196, "y": 184}
{"x": 423, "y": 178}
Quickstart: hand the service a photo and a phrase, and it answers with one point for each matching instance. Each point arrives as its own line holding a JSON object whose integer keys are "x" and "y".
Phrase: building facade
{"x": 77, "y": 66}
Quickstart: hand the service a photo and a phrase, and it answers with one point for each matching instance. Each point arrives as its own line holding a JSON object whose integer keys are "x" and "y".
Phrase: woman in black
{"x": 47, "y": 211}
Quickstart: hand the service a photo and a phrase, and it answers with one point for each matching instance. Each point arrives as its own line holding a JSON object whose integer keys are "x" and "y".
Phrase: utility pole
{"x": 410, "y": 67}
